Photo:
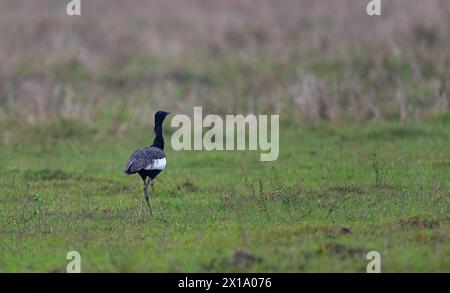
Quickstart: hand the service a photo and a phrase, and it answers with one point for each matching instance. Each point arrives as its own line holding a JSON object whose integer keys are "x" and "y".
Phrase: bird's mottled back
{"x": 142, "y": 158}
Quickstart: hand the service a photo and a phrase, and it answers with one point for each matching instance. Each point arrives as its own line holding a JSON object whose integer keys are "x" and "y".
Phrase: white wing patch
{"x": 159, "y": 164}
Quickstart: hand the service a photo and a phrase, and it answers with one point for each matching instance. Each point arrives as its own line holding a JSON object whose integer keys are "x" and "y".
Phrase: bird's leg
{"x": 153, "y": 188}
{"x": 144, "y": 193}
{"x": 149, "y": 182}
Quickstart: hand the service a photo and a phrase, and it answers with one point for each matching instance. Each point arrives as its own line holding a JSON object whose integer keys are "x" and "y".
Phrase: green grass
{"x": 63, "y": 190}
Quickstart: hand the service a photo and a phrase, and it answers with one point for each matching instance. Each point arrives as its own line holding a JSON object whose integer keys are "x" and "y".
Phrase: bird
{"x": 148, "y": 162}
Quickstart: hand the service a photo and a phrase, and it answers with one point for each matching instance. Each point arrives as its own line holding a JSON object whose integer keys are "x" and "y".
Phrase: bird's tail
{"x": 127, "y": 171}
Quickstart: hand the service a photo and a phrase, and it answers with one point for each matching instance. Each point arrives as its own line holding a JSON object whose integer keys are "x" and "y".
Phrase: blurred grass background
{"x": 309, "y": 60}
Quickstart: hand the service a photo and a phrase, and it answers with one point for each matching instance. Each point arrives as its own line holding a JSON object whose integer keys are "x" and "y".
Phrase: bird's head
{"x": 160, "y": 116}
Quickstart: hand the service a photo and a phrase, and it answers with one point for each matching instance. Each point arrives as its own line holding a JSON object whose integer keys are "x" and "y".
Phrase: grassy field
{"x": 364, "y": 140}
{"x": 335, "y": 193}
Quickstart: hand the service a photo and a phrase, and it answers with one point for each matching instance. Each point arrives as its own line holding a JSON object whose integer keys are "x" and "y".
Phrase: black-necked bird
{"x": 149, "y": 161}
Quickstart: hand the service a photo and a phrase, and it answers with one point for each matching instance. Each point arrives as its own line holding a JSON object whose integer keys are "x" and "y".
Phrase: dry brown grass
{"x": 311, "y": 60}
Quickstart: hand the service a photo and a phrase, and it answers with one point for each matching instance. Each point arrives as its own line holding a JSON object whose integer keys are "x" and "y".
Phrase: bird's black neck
{"x": 159, "y": 140}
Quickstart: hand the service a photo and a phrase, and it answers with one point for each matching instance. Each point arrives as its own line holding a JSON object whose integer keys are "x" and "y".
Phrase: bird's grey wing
{"x": 135, "y": 162}
{"x": 154, "y": 153}
{"x": 142, "y": 158}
